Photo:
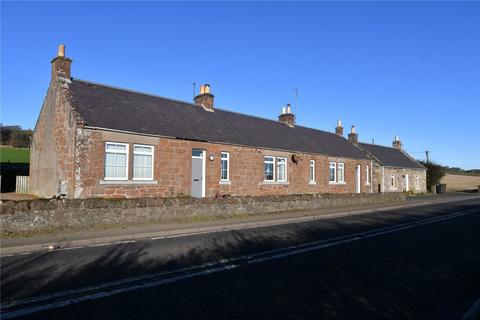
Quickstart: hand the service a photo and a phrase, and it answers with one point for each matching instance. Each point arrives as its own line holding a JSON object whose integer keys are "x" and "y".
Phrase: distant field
{"x": 464, "y": 173}
{"x": 14, "y": 155}
{"x": 457, "y": 182}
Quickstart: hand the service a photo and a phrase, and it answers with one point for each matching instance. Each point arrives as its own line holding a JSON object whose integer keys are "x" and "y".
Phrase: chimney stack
{"x": 61, "y": 65}
{"x": 339, "y": 128}
{"x": 397, "y": 144}
{"x": 287, "y": 116}
{"x": 353, "y": 136}
{"x": 205, "y": 98}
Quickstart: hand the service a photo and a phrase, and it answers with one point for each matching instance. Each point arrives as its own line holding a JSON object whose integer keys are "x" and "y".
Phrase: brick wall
{"x": 172, "y": 169}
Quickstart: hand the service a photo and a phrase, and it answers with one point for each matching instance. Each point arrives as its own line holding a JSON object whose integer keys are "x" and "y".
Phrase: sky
{"x": 410, "y": 69}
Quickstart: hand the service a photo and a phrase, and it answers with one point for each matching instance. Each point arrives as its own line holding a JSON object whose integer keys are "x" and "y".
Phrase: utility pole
{"x": 426, "y": 153}
{"x": 296, "y": 98}
{"x": 194, "y": 87}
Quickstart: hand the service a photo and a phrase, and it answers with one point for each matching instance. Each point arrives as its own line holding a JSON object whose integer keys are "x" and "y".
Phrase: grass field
{"x": 14, "y": 155}
{"x": 457, "y": 182}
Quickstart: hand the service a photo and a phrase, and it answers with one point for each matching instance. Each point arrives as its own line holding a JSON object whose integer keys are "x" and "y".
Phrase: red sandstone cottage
{"x": 93, "y": 140}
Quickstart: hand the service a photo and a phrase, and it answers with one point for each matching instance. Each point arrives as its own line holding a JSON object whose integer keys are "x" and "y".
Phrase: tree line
{"x": 457, "y": 170}
{"x": 15, "y": 136}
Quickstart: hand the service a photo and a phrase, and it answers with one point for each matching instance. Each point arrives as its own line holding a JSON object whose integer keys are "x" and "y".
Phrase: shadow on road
{"x": 388, "y": 279}
{"x": 42, "y": 273}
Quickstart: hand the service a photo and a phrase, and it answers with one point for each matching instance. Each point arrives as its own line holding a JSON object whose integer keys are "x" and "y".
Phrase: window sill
{"x": 128, "y": 182}
{"x": 225, "y": 182}
{"x": 337, "y": 183}
{"x": 312, "y": 182}
{"x": 274, "y": 182}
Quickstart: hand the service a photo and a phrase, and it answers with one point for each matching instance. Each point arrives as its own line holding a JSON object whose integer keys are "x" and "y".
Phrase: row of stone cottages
{"x": 93, "y": 140}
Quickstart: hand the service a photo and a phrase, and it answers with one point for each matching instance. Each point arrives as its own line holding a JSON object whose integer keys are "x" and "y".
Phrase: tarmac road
{"x": 413, "y": 263}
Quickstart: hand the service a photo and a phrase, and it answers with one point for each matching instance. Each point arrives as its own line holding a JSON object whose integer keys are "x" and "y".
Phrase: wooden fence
{"x": 22, "y": 185}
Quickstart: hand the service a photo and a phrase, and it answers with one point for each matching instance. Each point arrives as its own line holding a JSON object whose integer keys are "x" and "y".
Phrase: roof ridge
{"x": 378, "y": 145}
{"x": 275, "y": 121}
{"x": 191, "y": 104}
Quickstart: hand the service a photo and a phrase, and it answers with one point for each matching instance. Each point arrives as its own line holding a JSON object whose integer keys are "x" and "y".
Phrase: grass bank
{"x": 14, "y": 155}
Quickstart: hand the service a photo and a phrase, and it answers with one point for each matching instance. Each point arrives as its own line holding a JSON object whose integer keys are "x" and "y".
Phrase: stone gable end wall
{"x": 53, "y": 145}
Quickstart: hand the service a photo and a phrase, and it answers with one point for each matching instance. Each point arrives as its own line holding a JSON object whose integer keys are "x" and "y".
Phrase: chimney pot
{"x": 397, "y": 144}
{"x": 61, "y": 51}
{"x": 287, "y": 116}
{"x": 353, "y": 136}
{"x": 339, "y": 128}
{"x": 205, "y": 98}
{"x": 61, "y": 65}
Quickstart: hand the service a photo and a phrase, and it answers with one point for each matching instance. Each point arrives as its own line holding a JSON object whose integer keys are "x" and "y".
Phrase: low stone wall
{"x": 40, "y": 215}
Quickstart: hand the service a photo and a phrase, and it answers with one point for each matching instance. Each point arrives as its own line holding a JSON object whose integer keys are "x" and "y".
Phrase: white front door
{"x": 406, "y": 182}
{"x": 357, "y": 179}
{"x": 198, "y": 173}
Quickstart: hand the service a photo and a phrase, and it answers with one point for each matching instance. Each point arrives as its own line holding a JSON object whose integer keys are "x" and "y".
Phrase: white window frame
{"x": 367, "y": 175}
{"x": 143, "y": 153}
{"x": 228, "y": 165}
{"x": 342, "y": 166}
{"x": 311, "y": 172}
{"x": 417, "y": 182}
{"x": 333, "y": 165}
{"x": 273, "y": 165}
{"x": 127, "y": 149}
{"x": 284, "y": 160}
{"x": 393, "y": 181}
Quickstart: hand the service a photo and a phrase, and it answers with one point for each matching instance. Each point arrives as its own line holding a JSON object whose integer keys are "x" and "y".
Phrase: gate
{"x": 21, "y": 185}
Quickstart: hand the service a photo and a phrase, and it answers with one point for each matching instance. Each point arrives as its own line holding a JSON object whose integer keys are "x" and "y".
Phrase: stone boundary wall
{"x": 41, "y": 215}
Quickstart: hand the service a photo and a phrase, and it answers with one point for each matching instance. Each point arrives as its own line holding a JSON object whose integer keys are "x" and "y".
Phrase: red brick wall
{"x": 172, "y": 169}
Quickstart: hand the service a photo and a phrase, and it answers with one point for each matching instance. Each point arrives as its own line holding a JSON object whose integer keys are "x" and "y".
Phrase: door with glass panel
{"x": 198, "y": 173}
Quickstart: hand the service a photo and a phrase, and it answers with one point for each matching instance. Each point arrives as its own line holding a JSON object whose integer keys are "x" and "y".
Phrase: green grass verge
{"x": 14, "y": 155}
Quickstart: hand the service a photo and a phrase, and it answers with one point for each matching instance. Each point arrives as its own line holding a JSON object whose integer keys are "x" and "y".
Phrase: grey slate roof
{"x": 391, "y": 157}
{"x": 119, "y": 109}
